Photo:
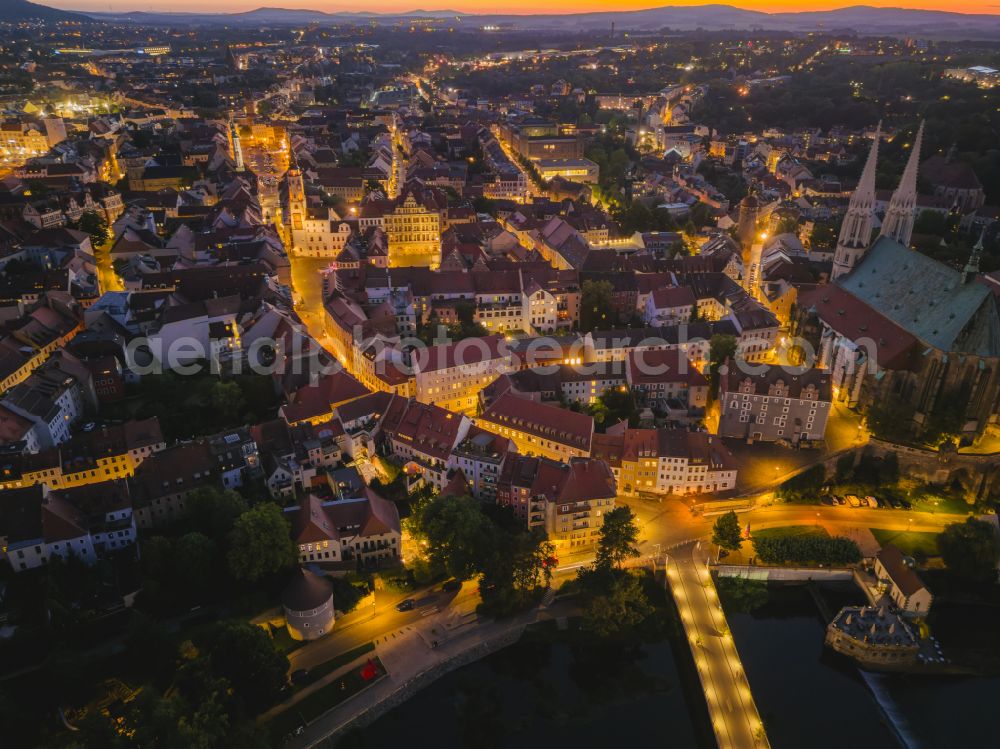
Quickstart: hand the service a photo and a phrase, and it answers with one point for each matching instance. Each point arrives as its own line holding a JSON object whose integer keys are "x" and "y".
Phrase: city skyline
{"x": 514, "y": 7}
{"x": 375, "y": 376}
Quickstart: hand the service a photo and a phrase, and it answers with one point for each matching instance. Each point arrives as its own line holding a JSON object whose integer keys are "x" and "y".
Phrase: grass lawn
{"x": 911, "y": 543}
{"x": 283, "y": 641}
{"x": 312, "y": 707}
{"x": 318, "y": 672}
{"x": 790, "y": 530}
{"x": 928, "y": 501}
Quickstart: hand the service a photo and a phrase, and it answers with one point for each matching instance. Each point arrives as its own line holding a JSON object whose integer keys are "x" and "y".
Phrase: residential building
{"x": 362, "y": 530}
{"x": 774, "y": 403}
{"x": 567, "y": 500}
{"x": 537, "y": 428}
{"x": 667, "y": 461}
{"x": 450, "y": 375}
{"x": 901, "y": 582}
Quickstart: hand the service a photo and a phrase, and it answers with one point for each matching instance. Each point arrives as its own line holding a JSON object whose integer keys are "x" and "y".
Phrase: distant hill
{"x": 14, "y": 11}
{"x": 859, "y": 18}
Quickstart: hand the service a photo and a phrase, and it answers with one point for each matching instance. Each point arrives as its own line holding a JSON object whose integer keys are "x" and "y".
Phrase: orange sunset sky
{"x": 492, "y": 6}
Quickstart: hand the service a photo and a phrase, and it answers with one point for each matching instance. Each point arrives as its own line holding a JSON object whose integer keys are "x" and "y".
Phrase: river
{"x": 811, "y": 697}
{"x": 541, "y": 692}
{"x": 548, "y": 691}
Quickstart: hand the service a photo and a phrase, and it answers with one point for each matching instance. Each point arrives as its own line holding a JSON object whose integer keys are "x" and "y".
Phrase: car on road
{"x": 407, "y": 604}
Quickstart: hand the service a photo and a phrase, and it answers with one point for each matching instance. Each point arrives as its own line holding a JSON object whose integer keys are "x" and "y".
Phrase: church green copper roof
{"x": 926, "y": 298}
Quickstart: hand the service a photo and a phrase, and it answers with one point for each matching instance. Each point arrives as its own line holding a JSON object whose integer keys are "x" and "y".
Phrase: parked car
{"x": 451, "y": 586}
{"x": 407, "y": 604}
{"x": 852, "y": 500}
{"x": 837, "y": 499}
{"x": 872, "y": 502}
{"x": 300, "y": 676}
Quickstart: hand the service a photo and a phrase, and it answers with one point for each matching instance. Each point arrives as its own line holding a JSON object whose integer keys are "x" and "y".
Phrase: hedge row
{"x": 807, "y": 550}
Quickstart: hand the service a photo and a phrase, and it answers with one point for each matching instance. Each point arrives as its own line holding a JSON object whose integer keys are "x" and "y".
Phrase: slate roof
{"x": 926, "y": 298}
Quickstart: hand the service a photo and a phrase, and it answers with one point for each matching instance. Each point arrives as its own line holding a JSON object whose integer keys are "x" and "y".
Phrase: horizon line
{"x": 523, "y": 14}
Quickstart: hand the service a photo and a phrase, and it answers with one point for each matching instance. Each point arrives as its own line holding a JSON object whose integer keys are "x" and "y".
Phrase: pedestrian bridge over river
{"x": 734, "y": 715}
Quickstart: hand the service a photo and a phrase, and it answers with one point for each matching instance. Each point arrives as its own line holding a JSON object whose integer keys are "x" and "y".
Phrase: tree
{"x": 195, "y": 557}
{"x": 260, "y": 544}
{"x": 803, "y": 485}
{"x": 844, "y": 470}
{"x": 618, "y": 539}
{"x": 726, "y": 532}
{"x": 213, "y": 510}
{"x": 245, "y": 655}
{"x": 597, "y": 306}
{"x": 517, "y": 569}
{"x": 459, "y": 535}
{"x": 970, "y": 550}
{"x": 622, "y": 607}
{"x": 227, "y": 400}
{"x": 721, "y": 347}
{"x": 823, "y": 237}
{"x": 93, "y": 223}
{"x": 891, "y": 418}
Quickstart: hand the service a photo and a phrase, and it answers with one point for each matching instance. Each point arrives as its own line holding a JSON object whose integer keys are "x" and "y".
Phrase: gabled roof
{"x": 546, "y": 422}
{"x": 902, "y": 574}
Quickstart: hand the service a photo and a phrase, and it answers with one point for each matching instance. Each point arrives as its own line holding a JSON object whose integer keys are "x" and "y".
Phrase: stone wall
{"x": 802, "y": 574}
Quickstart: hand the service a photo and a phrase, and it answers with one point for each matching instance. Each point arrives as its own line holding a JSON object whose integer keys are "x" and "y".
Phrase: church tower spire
{"x": 971, "y": 269}
{"x": 856, "y": 230}
{"x": 899, "y": 216}
{"x": 234, "y": 140}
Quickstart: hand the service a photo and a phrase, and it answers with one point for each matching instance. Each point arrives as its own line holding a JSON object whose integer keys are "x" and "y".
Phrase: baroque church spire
{"x": 856, "y": 229}
{"x": 899, "y": 216}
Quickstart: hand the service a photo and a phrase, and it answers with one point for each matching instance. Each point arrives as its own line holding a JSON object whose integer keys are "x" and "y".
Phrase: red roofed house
{"x": 667, "y": 461}
{"x": 539, "y": 429}
{"x": 315, "y": 402}
{"x": 660, "y": 375}
{"x": 364, "y": 528}
{"x": 567, "y": 500}
{"x": 903, "y": 585}
{"x": 424, "y": 436}
{"x": 451, "y": 375}
{"x": 670, "y": 305}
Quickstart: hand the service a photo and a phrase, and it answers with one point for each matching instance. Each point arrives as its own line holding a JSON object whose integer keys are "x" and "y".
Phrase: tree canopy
{"x": 970, "y": 550}
{"x": 726, "y": 532}
{"x": 621, "y": 605}
{"x": 618, "y": 540}
{"x": 260, "y": 544}
{"x": 596, "y": 306}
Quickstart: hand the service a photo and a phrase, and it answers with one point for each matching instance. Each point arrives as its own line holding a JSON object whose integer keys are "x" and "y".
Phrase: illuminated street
{"x": 571, "y": 268}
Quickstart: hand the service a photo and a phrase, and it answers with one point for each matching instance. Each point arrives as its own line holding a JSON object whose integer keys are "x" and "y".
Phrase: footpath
{"x": 413, "y": 657}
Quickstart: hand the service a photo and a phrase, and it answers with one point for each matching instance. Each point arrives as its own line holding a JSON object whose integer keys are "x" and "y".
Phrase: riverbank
{"x": 556, "y": 685}
{"x": 411, "y": 664}
{"x": 804, "y": 691}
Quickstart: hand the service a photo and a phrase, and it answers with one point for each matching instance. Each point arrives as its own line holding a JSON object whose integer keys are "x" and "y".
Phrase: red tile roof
{"x": 540, "y": 420}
